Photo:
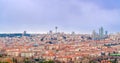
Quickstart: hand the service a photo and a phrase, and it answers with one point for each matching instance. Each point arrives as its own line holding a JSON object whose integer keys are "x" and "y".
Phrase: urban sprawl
{"x": 60, "y": 47}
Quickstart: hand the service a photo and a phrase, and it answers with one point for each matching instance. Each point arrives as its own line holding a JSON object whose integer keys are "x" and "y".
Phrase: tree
{"x": 1, "y": 55}
{"x": 50, "y": 61}
{"x": 27, "y": 60}
{"x": 92, "y": 61}
{"x": 44, "y": 61}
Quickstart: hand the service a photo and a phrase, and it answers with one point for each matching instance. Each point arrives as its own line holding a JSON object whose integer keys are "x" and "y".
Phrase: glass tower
{"x": 101, "y": 33}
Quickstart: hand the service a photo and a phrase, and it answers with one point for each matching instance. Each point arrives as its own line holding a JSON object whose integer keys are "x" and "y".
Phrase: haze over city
{"x": 81, "y": 16}
{"x": 59, "y": 31}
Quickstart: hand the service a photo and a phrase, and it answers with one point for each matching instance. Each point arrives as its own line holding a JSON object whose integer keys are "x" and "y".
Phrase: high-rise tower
{"x": 24, "y": 33}
{"x": 106, "y": 32}
{"x": 94, "y": 35}
{"x": 101, "y": 32}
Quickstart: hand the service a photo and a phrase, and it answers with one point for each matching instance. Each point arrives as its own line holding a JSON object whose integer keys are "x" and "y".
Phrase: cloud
{"x": 70, "y": 15}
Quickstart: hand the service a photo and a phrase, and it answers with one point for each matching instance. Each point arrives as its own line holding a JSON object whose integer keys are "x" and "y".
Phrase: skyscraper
{"x": 24, "y": 33}
{"x": 106, "y": 32}
{"x": 101, "y": 33}
{"x": 94, "y": 35}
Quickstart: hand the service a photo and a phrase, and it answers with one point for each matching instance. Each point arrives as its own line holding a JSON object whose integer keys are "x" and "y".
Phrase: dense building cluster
{"x": 101, "y": 35}
{"x": 68, "y": 48}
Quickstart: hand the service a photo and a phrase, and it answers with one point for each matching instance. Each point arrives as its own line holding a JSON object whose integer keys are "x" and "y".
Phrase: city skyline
{"x": 80, "y": 16}
{"x": 55, "y": 30}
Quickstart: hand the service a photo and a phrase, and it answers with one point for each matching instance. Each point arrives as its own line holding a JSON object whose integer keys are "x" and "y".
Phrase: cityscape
{"x": 59, "y": 31}
{"x": 60, "y": 47}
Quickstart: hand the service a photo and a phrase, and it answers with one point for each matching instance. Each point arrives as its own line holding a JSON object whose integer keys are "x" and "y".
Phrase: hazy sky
{"x": 81, "y": 16}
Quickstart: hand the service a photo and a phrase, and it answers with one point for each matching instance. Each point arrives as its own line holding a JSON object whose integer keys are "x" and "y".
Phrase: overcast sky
{"x": 81, "y": 16}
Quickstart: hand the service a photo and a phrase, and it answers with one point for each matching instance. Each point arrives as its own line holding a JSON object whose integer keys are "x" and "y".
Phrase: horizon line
{"x": 42, "y": 32}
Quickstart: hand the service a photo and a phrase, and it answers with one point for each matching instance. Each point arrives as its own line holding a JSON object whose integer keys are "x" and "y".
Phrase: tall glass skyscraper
{"x": 101, "y": 33}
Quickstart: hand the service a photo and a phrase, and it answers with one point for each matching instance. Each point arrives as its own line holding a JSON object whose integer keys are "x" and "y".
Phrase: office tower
{"x": 106, "y": 32}
{"x": 24, "y": 33}
{"x": 94, "y": 35}
{"x": 73, "y": 35}
{"x": 101, "y": 33}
